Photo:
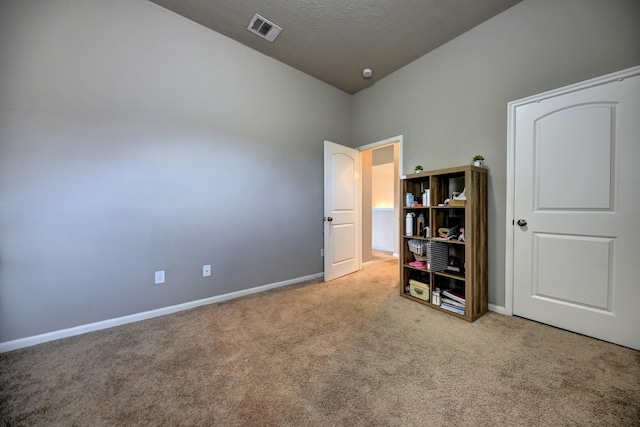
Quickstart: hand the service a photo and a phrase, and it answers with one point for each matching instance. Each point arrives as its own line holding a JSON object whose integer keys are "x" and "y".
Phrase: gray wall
{"x": 452, "y": 103}
{"x": 133, "y": 140}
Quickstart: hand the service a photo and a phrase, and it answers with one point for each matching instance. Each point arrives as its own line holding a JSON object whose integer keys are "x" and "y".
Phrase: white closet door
{"x": 577, "y": 187}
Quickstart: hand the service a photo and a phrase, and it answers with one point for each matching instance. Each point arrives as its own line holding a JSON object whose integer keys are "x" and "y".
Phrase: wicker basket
{"x": 418, "y": 248}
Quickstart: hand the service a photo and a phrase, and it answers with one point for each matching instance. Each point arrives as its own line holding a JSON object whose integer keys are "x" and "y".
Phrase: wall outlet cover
{"x": 159, "y": 277}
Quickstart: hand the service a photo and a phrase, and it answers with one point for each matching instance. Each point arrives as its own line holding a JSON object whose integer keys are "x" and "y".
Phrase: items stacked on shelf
{"x": 453, "y": 302}
{"x": 444, "y": 240}
{"x": 432, "y": 256}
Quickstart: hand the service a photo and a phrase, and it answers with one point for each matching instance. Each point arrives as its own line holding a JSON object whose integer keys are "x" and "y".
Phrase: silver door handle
{"x": 328, "y": 218}
{"x": 522, "y": 222}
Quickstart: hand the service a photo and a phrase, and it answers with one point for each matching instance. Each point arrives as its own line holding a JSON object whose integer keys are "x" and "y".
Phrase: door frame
{"x": 399, "y": 139}
{"x": 511, "y": 172}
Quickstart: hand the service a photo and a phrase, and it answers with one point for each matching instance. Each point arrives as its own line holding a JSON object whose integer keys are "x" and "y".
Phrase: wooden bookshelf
{"x": 470, "y": 255}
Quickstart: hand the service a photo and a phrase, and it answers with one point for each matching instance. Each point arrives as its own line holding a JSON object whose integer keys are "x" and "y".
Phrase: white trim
{"x": 597, "y": 81}
{"x": 497, "y": 309}
{"x": 382, "y": 248}
{"x": 119, "y": 321}
{"x": 511, "y": 157}
{"x": 511, "y": 160}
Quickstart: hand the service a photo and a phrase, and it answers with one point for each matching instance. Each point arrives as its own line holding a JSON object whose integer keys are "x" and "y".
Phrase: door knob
{"x": 522, "y": 222}
{"x": 329, "y": 218}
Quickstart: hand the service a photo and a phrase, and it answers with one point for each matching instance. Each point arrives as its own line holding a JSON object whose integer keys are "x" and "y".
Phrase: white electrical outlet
{"x": 206, "y": 270}
{"x": 159, "y": 277}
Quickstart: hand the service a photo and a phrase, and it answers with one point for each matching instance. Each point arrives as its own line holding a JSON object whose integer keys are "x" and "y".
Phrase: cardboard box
{"x": 419, "y": 290}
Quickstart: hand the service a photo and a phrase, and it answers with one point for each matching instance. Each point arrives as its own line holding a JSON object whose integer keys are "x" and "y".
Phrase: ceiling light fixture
{"x": 367, "y": 73}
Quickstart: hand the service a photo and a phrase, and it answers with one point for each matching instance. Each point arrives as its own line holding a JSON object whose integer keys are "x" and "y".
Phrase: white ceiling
{"x": 334, "y": 40}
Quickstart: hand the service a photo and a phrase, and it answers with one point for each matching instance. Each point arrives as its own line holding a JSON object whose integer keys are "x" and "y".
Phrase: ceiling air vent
{"x": 263, "y": 28}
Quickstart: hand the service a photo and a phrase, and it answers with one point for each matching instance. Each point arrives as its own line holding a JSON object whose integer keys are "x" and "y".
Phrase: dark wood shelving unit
{"x": 471, "y": 254}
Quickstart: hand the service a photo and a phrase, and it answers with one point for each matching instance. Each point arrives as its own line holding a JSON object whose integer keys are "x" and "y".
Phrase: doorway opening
{"x": 381, "y": 166}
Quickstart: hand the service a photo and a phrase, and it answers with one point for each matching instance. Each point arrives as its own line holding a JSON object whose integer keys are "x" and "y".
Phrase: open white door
{"x": 342, "y": 224}
{"x": 576, "y": 205}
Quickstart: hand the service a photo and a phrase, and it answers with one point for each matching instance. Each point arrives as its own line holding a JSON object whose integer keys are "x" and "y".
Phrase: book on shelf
{"x": 452, "y": 308}
{"x": 454, "y": 296}
{"x": 453, "y": 302}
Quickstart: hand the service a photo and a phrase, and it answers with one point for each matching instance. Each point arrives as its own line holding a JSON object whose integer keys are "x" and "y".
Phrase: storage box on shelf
{"x": 455, "y": 224}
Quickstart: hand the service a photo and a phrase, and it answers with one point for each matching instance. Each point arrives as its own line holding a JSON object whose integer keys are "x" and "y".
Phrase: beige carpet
{"x": 350, "y": 352}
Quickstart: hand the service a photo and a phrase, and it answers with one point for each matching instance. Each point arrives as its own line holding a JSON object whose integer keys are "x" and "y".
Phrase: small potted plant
{"x": 478, "y": 160}
{"x": 418, "y": 169}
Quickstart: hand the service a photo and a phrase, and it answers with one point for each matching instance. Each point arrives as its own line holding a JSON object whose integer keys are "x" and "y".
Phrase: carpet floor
{"x": 348, "y": 352}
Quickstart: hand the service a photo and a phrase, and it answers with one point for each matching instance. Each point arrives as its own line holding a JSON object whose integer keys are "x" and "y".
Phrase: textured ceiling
{"x": 334, "y": 40}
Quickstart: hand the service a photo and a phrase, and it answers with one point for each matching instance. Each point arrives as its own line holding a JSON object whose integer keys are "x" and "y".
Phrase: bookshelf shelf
{"x": 464, "y": 272}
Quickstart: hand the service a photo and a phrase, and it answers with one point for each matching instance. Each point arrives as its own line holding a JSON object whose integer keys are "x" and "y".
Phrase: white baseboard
{"x": 381, "y": 248}
{"x": 367, "y": 263}
{"x": 110, "y": 323}
{"x": 497, "y": 309}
